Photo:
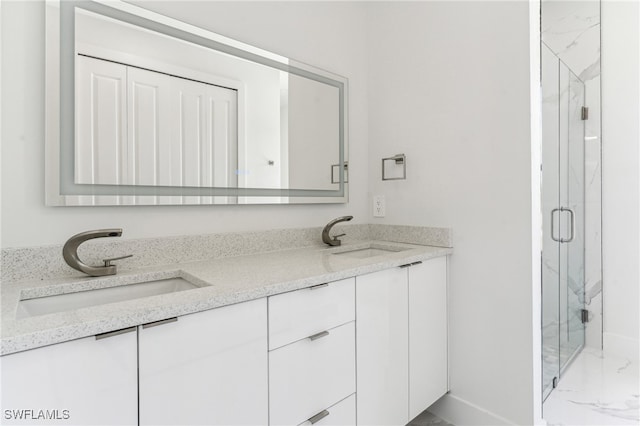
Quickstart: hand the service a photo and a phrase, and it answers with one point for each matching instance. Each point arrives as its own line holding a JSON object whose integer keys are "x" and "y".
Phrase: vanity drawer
{"x": 341, "y": 414}
{"x": 301, "y": 313}
{"x": 308, "y": 376}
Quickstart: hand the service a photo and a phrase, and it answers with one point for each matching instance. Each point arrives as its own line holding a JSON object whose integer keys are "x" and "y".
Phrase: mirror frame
{"x": 60, "y": 188}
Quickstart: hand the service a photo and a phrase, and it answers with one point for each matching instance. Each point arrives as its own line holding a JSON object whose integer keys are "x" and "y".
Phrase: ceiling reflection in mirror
{"x": 173, "y": 114}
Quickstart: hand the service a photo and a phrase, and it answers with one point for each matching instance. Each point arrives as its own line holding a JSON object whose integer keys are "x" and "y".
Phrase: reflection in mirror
{"x": 166, "y": 116}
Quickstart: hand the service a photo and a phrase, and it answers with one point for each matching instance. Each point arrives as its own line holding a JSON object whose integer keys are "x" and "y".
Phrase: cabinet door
{"x": 82, "y": 382}
{"x": 427, "y": 334}
{"x": 382, "y": 347}
{"x": 206, "y": 368}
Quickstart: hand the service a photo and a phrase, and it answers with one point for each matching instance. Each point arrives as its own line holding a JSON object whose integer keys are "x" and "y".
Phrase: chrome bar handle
{"x": 321, "y": 415}
{"x": 157, "y": 323}
{"x": 115, "y": 333}
{"x": 553, "y": 228}
{"x": 315, "y": 287}
{"x": 573, "y": 225}
{"x": 318, "y": 335}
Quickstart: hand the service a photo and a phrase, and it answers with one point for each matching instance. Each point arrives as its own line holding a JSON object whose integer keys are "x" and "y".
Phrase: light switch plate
{"x": 379, "y": 206}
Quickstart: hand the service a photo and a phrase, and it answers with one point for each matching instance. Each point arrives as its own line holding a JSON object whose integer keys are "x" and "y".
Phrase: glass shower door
{"x": 550, "y": 201}
{"x": 563, "y": 201}
{"x": 572, "y": 200}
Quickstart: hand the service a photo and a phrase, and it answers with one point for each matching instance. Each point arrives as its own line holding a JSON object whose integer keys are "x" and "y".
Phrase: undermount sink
{"x": 83, "y": 299}
{"x": 371, "y": 251}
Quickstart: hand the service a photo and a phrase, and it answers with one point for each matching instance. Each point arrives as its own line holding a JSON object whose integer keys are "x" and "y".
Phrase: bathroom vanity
{"x": 348, "y": 335}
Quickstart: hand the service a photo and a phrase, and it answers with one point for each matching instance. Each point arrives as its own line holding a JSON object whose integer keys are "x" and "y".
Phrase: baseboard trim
{"x": 459, "y": 412}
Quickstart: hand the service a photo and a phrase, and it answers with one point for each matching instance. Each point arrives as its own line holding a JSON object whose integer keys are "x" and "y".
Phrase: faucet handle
{"x": 107, "y": 262}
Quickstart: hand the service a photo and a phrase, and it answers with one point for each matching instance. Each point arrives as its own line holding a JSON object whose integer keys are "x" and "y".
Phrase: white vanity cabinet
{"x": 383, "y": 347}
{"x": 428, "y": 374}
{"x": 371, "y": 349}
{"x": 312, "y": 355}
{"x": 401, "y": 318}
{"x": 89, "y": 381}
{"x": 206, "y": 368}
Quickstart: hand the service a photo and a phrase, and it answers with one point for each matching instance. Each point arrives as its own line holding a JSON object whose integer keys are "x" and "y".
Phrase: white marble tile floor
{"x": 596, "y": 389}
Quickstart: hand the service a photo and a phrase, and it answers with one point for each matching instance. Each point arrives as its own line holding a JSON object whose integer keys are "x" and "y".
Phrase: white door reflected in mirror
{"x": 152, "y": 110}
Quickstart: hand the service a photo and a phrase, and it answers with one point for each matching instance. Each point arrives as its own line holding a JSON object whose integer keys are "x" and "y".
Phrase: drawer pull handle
{"x": 115, "y": 333}
{"x": 411, "y": 264}
{"x": 315, "y": 287}
{"x": 318, "y": 335}
{"x": 156, "y": 323}
{"x": 321, "y": 415}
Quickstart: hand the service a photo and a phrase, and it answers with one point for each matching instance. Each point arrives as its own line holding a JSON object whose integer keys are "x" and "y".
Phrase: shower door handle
{"x": 553, "y": 230}
{"x": 572, "y": 216}
{"x": 573, "y": 224}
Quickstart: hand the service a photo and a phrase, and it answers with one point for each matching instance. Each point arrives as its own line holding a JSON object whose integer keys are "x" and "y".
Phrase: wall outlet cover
{"x": 379, "y": 206}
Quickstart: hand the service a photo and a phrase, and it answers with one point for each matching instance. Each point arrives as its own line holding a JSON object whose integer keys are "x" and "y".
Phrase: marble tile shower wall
{"x": 571, "y": 29}
{"x": 46, "y": 262}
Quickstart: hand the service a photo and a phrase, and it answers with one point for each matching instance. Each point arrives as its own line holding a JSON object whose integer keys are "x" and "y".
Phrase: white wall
{"x": 449, "y": 86}
{"x": 621, "y": 178}
{"x": 327, "y": 35}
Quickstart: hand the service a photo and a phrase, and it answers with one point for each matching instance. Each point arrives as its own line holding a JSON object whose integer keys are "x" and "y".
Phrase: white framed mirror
{"x": 143, "y": 109}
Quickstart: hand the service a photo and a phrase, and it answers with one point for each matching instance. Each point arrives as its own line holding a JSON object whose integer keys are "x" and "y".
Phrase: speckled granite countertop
{"x": 224, "y": 282}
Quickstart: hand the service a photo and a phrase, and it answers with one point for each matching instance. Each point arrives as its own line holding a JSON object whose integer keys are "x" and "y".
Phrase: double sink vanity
{"x": 353, "y": 334}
